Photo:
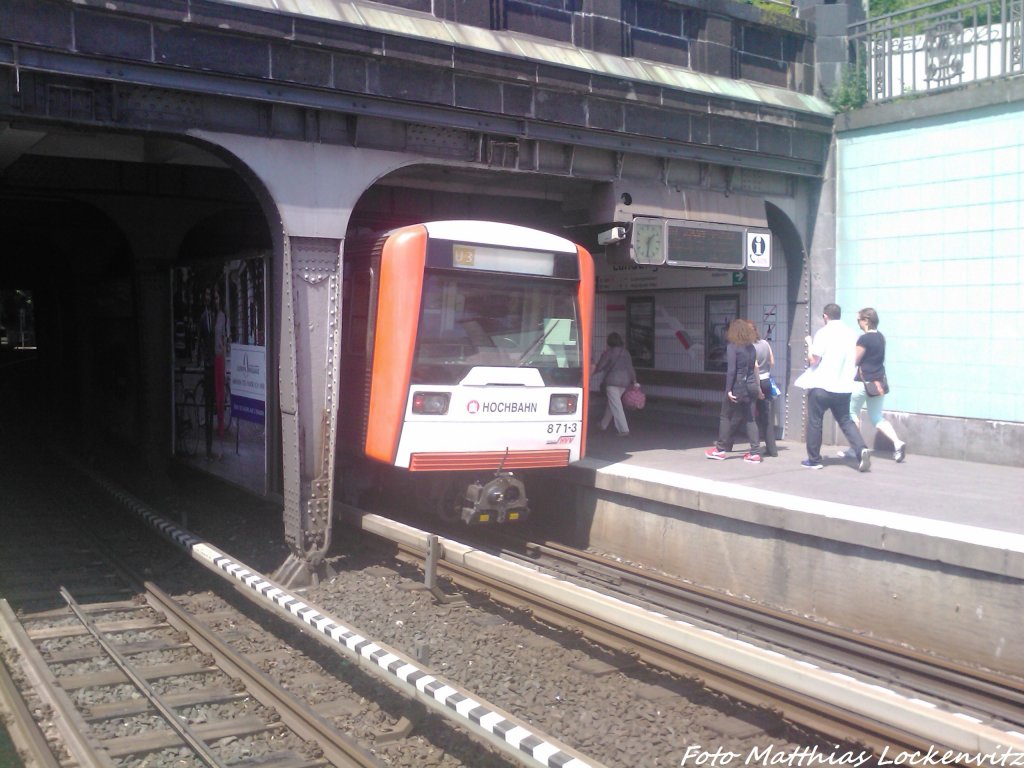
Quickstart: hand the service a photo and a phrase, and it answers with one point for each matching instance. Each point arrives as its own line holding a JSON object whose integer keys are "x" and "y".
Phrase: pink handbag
{"x": 634, "y": 399}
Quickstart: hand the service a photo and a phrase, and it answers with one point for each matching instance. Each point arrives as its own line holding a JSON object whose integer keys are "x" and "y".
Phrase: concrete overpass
{"x": 142, "y": 141}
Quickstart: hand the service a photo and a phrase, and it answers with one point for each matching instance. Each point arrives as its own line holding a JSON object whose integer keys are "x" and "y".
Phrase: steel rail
{"x": 67, "y": 719}
{"x": 959, "y": 683}
{"x": 511, "y": 736}
{"x": 832, "y": 721}
{"x": 23, "y": 729}
{"x": 199, "y": 747}
{"x": 877, "y": 712}
{"x": 337, "y": 748}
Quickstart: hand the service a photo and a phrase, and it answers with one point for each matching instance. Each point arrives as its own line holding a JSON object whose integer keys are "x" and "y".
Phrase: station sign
{"x": 683, "y": 243}
{"x": 759, "y": 249}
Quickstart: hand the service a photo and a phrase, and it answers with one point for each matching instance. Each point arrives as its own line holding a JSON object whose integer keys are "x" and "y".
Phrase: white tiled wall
{"x": 679, "y": 324}
{"x": 766, "y": 306}
{"x": 931, "y": 234}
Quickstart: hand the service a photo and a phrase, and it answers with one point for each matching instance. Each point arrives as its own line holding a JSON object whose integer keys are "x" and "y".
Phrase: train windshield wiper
{"x": 552, "y": 324}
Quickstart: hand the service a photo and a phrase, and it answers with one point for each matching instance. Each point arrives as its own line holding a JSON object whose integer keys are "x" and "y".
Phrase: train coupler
{"x": 501, "y": 499}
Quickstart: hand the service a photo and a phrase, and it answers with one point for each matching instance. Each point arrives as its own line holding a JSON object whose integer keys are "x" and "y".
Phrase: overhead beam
{"x": 58, "y": 63}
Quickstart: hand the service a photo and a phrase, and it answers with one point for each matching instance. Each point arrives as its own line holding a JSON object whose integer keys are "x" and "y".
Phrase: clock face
{"x": 648, "y": 242}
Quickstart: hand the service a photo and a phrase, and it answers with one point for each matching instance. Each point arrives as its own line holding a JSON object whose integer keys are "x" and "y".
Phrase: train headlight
{"x": 562, "y": 404}
{"x": 431, "y": 403}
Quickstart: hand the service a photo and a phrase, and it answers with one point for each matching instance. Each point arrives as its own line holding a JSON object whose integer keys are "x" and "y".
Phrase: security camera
{"x": 613, "y": 235}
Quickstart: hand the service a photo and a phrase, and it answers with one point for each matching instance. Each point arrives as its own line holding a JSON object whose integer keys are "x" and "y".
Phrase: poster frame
{"x": 640, "y": 331}
{"x": 720, "y": 309}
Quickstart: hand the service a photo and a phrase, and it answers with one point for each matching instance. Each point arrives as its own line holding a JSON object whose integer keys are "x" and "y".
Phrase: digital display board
{"x": 684, "y": 243}
{"x": 692, "y": 244}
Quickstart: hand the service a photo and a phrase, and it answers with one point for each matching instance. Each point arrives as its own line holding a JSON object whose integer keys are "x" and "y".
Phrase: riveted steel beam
{"x": 31, "y": 59}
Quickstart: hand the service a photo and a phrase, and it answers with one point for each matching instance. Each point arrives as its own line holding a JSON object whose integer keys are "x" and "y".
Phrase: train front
{"x": 496, "y": 381}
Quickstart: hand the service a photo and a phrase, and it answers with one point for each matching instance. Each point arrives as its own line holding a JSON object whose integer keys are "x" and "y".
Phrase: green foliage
{"x": 852, "y": 90}
{"x": 976, "y": 15}
{"x": 784, "y": 7}
{"x": 884, "y": 7}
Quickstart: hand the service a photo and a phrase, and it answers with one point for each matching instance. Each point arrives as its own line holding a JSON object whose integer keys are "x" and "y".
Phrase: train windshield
{"x": 497, "y": 320}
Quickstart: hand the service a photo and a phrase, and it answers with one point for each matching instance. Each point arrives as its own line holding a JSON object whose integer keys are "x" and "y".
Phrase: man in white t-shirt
{"x": 829, "y": 382}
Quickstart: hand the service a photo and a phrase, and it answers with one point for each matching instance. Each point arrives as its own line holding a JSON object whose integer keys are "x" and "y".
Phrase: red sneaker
{"x": 752, "y": 458}
{"x": 714, "y": 453}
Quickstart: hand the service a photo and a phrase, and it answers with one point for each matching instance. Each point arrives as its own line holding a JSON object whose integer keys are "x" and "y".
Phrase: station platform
{"x": 927, "y": 553}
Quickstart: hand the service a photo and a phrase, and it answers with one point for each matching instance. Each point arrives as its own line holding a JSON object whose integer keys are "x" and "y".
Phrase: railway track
{"x": 979, "y": 692}
{"x": 300, "y": 735}
{"x": 465, "y": 640}
{"x": 128, "y": 681}
{"x": 826, "y": 680}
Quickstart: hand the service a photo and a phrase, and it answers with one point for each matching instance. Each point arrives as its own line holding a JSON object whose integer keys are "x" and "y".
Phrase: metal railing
{"x": 937, "y": 45}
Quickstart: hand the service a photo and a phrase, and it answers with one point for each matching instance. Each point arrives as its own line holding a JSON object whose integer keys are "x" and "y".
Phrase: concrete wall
{"x": 836, "y": 564}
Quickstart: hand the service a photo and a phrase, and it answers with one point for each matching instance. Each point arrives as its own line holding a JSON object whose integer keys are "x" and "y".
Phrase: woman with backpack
{"x": 742, "y": 390}
{"x": 764, "y": 407}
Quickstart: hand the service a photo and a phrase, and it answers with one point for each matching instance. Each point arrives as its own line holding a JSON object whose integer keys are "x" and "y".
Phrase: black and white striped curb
{"x": 510, "y": 735}
{"x": 541, "y": 749}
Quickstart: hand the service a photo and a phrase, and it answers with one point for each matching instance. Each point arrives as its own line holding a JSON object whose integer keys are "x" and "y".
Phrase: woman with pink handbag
{"x": 616, "y": 366}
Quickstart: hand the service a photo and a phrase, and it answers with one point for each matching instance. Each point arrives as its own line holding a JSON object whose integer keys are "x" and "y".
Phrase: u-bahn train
{"x": 465, "y": 359}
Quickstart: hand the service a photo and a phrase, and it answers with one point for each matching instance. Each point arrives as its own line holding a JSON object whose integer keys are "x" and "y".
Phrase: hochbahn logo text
{"x": 500, "y": 406}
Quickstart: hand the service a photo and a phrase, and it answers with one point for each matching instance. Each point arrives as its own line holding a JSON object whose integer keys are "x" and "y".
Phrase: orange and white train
{"x": 465, "y": 362}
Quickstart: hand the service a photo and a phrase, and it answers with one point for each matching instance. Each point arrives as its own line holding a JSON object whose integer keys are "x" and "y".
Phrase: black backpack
{"x": 754, "y": 383}
{"x": 748, "y": 388}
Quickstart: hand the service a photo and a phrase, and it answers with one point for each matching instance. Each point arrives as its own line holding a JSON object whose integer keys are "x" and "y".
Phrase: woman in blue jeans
{"x": 871, "y": 364}
{"x": 764, "y": 407}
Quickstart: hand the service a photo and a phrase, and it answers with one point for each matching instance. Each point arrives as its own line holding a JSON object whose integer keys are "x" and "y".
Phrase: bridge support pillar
{"x": 310, "y": 342}
{"x": 310, "y": 189}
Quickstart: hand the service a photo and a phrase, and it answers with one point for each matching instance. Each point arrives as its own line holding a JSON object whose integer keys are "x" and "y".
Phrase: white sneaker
{"x": 864, "y": 465}
{"x": 846, "y": 454}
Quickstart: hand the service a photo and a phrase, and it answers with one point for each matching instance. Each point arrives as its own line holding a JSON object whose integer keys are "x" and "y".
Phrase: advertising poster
{"x": 220, "y": 368}
{"x": 719, "y": 311}
{"x": 640, "y": 330}
{"x": 249, "y": 382}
